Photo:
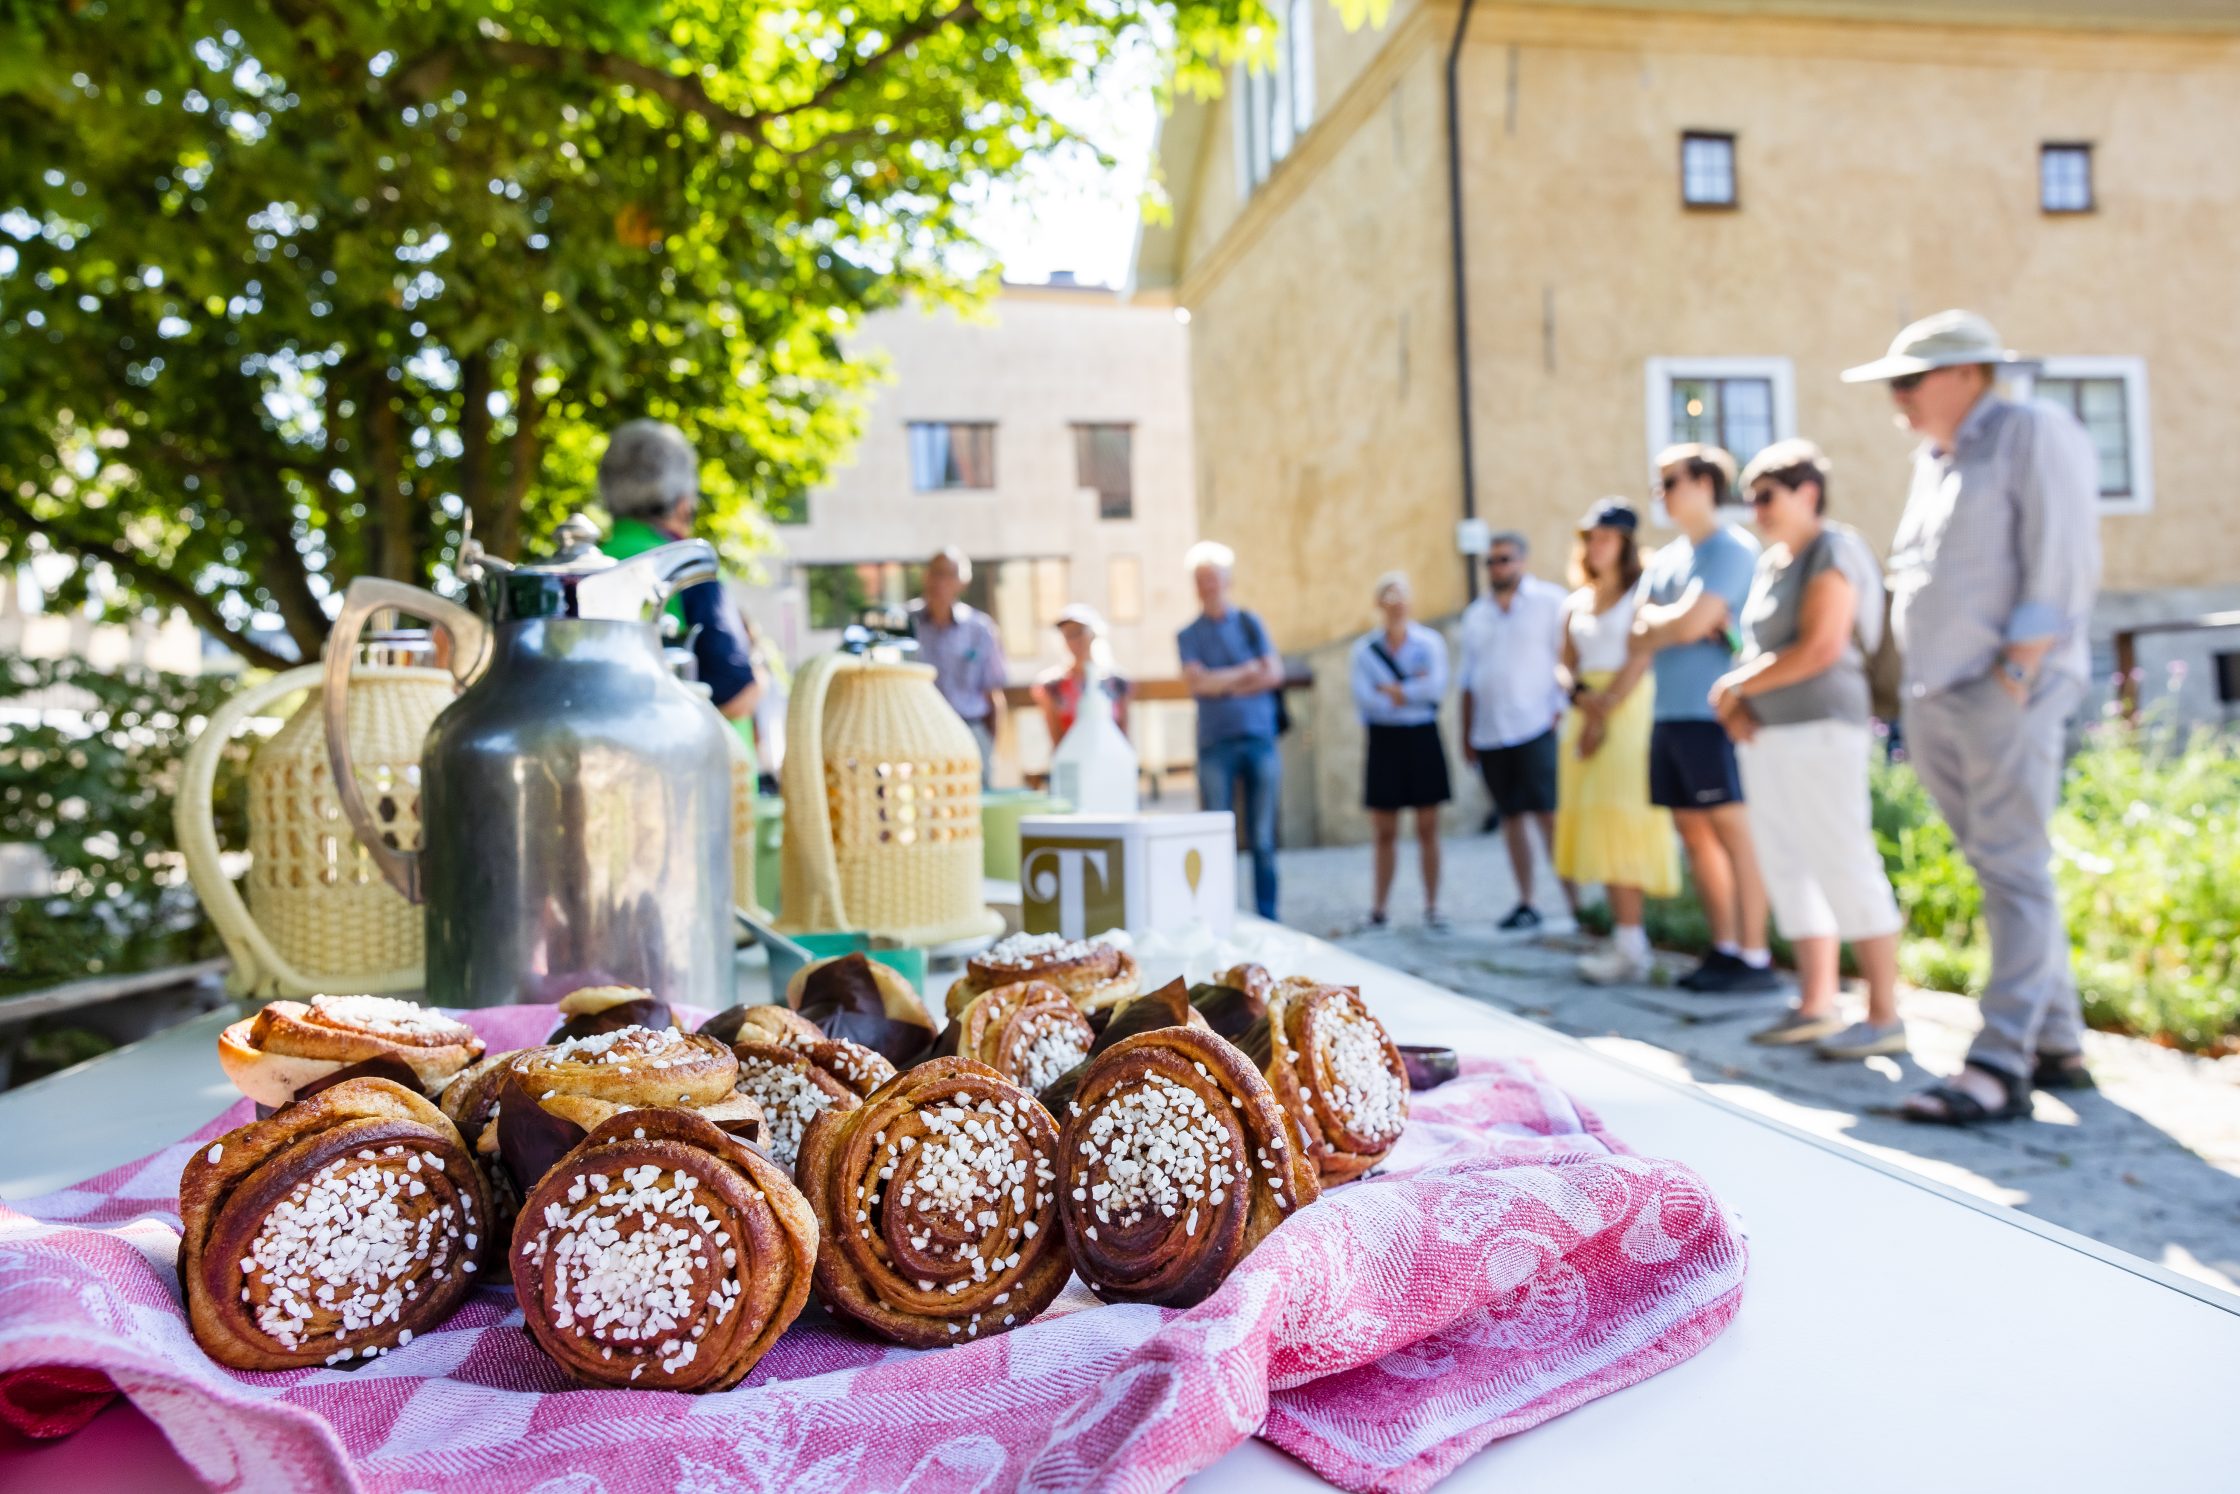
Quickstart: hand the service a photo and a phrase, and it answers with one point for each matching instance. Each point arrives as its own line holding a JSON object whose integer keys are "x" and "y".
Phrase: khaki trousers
{"x": 1994, "y": 768}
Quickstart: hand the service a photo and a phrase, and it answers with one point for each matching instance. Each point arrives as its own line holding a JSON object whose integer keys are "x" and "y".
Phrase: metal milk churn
{"x": 575, "y": 800}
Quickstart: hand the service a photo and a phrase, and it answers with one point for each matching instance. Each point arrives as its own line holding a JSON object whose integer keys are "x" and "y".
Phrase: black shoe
{"x": 1712, "y": 966}
{"x": 1733, "y": 977}
{"x": 1521, "y": 919}
{"x": 1753, "y": 980}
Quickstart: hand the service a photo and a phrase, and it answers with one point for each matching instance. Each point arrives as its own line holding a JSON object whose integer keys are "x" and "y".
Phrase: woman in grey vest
{"x": 1797, "y": 708}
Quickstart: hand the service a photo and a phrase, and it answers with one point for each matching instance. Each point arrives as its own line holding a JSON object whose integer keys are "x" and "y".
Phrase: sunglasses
{"x": 1763, "y": 496}
{"x": 1668, "y": 482}
{"x": 1501, "y": 559}
{"x": 1907, "y": 383}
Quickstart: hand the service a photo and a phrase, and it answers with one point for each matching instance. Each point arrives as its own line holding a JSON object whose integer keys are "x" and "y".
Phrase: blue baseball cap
{"x": 1611, "y": 513}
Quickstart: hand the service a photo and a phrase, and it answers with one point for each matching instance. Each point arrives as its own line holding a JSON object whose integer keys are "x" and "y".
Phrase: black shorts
{"x": 1407, "y": 768}
{"x": 1522, "y": 779}
{"x": 1691, "y": 766}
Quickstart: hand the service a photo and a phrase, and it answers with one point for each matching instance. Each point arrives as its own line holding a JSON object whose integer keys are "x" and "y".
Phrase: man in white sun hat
{"x": 1992, "y": 578}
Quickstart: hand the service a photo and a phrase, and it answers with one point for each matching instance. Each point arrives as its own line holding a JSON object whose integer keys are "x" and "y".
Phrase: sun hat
{"x": 1611, "y": 513}
{"x": 1085, "y": 615}
{"x": 1946, "y": 340}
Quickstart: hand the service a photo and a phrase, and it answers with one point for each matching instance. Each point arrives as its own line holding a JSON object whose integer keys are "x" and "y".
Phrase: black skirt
{"x": 1407, "y": 768}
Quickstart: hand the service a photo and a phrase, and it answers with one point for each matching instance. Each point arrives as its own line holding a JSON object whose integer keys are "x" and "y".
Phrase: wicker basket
{"x": 318, "y": 917}
{"x": 882, "y": 802}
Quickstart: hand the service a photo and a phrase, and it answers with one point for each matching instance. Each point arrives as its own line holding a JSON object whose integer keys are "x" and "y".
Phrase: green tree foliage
{"x": 89, "y": 782}
{"x": 291, "y": 288}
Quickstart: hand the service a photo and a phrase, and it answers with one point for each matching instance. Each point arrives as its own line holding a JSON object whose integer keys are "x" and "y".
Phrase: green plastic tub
{"x": 1000, "y": 813}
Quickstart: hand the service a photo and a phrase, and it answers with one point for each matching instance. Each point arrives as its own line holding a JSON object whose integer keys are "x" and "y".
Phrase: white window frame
{"x": 1657, "y": 377}
{"x": 2079, "y": 148}
{"x": 2139, "y": 429}
{"x": 1733, "y": 147}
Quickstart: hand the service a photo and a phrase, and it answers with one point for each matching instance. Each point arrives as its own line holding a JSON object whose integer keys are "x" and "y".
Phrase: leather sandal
{"x": 1964, "y": 1109}
{"x": 2062, "y": 1071}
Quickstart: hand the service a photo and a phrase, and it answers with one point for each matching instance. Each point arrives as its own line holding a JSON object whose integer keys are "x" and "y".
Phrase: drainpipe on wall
{"x": 1461, "y": 304}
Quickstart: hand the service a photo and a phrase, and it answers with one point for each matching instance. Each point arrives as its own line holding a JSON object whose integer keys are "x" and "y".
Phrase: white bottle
{"x": 1094, "y": 768}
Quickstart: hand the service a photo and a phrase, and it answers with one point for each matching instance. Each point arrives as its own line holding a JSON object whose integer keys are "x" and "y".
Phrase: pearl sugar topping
{"x": 386, "y": 1016}
{"x": 1163, "y": 1152}
{"x": 975, "y": 1159}
{"x": 789, "y": 1101}
{"x": 624, "y": 1045}
{"x": 1047, "y": 1050}
{"x": 347, "y": 1250}
{"x": 1362, "y": 1087}
{"x": 628, "y": 1251}
{"x": 1022, "y": 950}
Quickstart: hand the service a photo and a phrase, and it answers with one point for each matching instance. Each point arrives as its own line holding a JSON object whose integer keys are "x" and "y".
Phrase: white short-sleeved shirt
{"x": 1599, "y": 638}
{"x": 1509, "y": 658}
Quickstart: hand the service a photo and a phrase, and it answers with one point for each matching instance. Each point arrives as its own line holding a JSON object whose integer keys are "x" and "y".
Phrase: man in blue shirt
{"x": 1234, "y": 673}
{"x": 1691, "y": 596}
{"x": 961, "y": 643}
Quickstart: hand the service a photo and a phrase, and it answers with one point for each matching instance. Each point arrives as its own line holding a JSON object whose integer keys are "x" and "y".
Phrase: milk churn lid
{"x": 581, "y": 580}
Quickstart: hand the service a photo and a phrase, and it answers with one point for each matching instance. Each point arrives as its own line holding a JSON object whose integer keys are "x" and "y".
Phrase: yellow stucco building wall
{"x": 1887, "y": 167}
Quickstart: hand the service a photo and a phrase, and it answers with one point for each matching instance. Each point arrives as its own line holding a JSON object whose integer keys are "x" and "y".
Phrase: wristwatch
{"x": 2014, "y": 673}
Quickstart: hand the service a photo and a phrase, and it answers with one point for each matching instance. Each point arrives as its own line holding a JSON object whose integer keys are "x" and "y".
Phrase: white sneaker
{"x": 1614, "y": 967}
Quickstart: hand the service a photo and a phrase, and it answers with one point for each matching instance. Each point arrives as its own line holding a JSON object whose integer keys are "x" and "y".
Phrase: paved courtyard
{"x": 2149, "y": 1163}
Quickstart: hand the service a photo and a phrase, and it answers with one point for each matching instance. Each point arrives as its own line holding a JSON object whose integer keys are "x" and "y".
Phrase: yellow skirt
{"x": 1607, "y": 831}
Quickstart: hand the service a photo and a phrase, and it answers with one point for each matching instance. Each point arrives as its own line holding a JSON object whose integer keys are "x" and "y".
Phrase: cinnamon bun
{"x": 1093, "y": 973}
{"x": 290, "y": 1045}
{"x": 336, "y": 1228}
{"x": 937, "y": 1205}
{"x": 1174, "y": 1164}
{"x": 662, "y": 1253}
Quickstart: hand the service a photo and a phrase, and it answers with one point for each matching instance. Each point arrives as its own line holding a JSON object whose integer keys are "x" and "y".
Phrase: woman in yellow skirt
{"x": 1607, "y": 831}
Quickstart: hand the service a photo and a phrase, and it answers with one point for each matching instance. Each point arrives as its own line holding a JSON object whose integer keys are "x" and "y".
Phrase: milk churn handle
{"x": 811, "y": 856}
{"x": 470, "y": 639}
{"x": 258, "y": 967}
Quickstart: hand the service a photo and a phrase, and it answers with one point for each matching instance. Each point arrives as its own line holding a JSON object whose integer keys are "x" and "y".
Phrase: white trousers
{"x": 1806, "y": 786}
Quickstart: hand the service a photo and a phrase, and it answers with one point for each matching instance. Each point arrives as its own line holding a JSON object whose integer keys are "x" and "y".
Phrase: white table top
{"x": 2093, "y": 1369}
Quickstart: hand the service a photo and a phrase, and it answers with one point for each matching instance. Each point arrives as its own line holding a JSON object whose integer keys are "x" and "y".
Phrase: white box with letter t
{"x": 1147, "y": 873}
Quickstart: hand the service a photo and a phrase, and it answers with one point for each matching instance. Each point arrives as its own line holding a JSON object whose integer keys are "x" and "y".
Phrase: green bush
{"x": 2147, "y": 861}
{"x": 2147, "y": 854}
{"x": 89, "y": 763}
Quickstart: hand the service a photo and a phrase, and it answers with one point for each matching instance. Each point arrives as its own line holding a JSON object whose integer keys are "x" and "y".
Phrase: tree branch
{"x": 428, "y": 75}
{"x": 902, "y": 40}
{"x": 392, "y": 538}
{"x": 148, "y": 575}
{"x": 474, "y": 438}
{"x": 284, "y": 574}
{"x": 528, "y": 451}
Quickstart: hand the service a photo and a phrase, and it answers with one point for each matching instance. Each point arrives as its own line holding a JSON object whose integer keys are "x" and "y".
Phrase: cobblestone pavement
{"x": 2150, "y": 1162}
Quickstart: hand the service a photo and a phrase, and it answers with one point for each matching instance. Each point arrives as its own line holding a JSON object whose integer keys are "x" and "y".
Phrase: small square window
{"x": 952, "y": 454}
{"x": 2065, "y": 178}
{"x": 1707, "y": 170}
{"x": 1735, "y": 414}
{"x": 1101, "y": 461}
